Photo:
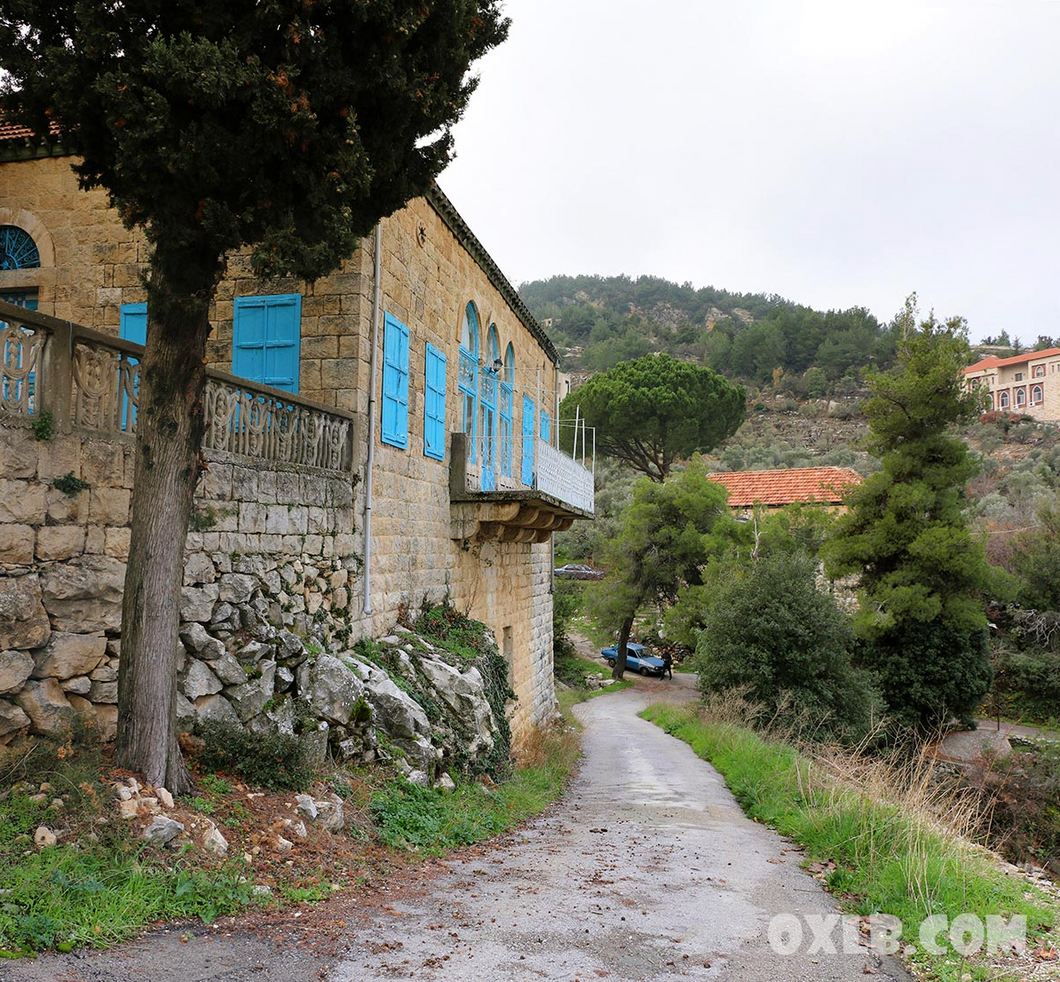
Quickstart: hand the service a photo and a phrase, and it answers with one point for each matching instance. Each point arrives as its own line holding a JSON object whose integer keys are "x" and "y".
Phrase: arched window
{"x": 17, "y": 249}
{"x": 506, "y": 410}
{"x": 488, "y": 409}
{"x": 1021, "y": 397}
{"x": 467, "y": 377}
{"x": 1003, "y": 400}
{"x": 1036, "y": 394}
{"x": 989, "y": 402}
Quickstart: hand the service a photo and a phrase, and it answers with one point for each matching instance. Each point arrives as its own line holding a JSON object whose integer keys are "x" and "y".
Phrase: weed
{"x": 276, "y": 762}
{"x": 69, "y": 484}
{"x": 201, "y": 805}
{"x": 44, "y": 426}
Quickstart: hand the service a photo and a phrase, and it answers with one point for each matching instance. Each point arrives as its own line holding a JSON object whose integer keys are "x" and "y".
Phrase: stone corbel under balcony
{"x": 524, "y": 515}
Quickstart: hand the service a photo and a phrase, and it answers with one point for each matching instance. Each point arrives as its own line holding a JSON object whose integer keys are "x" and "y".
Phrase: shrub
{"x": 275, "y": 762}
{"x": 772, "y": 633}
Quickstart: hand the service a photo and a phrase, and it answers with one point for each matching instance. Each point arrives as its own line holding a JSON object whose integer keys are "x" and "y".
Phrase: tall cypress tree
{"x": 286, "y": 127}
{"x": 921, "y": 572}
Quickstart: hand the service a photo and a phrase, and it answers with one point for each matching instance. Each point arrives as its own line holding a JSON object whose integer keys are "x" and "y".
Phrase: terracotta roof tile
{"x": 994, "y": 362}
{"x": 783, "y": 487}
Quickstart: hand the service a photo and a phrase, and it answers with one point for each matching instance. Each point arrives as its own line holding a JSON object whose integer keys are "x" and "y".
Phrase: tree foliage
{"x": 906, "y": 538}
{"x": 655, "y": 410}
{"x": 667, "y": 535}
{"x": 770, "y": 631}
{"x": 284, "y": 127}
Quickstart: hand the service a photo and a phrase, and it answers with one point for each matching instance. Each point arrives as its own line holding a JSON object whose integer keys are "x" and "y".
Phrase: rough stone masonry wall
{"x": 271, "y": 549}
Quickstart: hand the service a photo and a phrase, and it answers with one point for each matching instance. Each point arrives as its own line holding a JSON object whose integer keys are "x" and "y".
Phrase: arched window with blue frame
{"x": 507, "y": 388}
{"x": 488, "y": 409}
{"x": 467, "y": 377}
{"x": 17, "y": 249}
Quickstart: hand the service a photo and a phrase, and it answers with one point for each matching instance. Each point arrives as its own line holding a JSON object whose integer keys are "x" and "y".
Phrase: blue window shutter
{"x": 21, "y": 298}
{"x": 134, "y": 322}
{"x": 434, "y": 403}
{"x": 266, "y": 340}
{"x": 546, "y": 426}
{"x": 527, "y": 468}
{"x": 395, "y": 382}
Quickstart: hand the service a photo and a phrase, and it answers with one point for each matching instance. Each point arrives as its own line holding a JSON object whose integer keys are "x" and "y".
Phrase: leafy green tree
{"x": 770, "y": 630}
{"x": 655, "y": 410}
{"x": 287, "y": 128}
{"x": 1036, "y": 560}
{"x": 668, "y": 534}
{"x": 906, "y": 538}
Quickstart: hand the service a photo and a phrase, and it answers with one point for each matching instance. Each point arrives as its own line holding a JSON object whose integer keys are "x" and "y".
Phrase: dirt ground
{"x": 647, "y": 869}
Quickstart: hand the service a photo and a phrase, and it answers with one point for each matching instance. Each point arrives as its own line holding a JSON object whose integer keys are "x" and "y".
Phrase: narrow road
{"x": 647, "y": 870}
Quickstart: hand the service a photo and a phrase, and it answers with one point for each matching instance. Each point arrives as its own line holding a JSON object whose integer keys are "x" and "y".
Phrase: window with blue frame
{"x": 17, "y": 249}
{"x": 434, "y": 403}
{"x": 266, "y": 339}
{"x": 527, "y": 469}
{"x": 507, "y": 385}
{"x": 133, "y": 327}
{"x": 467, "y": 377}
{"x": 546, "y": 426}
{"x": 395, "y": 382}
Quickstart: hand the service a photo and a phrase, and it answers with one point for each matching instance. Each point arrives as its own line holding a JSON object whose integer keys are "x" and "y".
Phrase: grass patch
{"x": 272, "y": 761}
{"x": 97, "y": 885}
{"x": 433, "y": 822}
{"x": 893, "y": 854}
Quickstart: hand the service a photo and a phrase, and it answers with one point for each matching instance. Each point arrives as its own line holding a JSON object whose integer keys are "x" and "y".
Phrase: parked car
{"x": 579, "y": 571}
{"x": 638, "y": 659}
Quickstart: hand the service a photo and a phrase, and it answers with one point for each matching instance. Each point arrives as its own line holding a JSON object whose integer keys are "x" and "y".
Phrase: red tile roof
{"x": 783, "y": 487}
{"x": 992, "y": 361}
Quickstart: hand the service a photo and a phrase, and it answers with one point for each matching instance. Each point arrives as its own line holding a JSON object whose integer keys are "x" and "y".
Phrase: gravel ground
{"x": 647, "y": 870}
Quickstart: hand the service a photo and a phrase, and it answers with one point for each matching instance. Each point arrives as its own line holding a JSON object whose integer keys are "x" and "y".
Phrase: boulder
{"x": 224, "y": 665}
{"x": 84, "y": 594}
{"x": 66, "y": 655}
{"x": 330, "y": 813}
{"x": 395, "y": 711}
{"x": 23, "y": 620}
{"x": 194, "y": 636}
{"x": 330, "y": 688}
{"x": 47, "y": 706}
{"x": 163, "y": 830}
{"x": 213, "y": 842}
{"x": 237, "y": 588}
{"x": 15, "y": 668}
{"x": 12, "y": 718}
{"x": 197, "y": 603}
{"x": 79, "y": 685}
{"x": 200, "y": 681}
{"x": 464, "y": 693}
{"x": 198, "y": 568}
{"x": 215, "y": 709}
{"x": 249, "y": 698}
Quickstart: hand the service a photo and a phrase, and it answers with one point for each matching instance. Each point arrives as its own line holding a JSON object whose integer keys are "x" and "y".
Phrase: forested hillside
{"x": 599, "y": 321}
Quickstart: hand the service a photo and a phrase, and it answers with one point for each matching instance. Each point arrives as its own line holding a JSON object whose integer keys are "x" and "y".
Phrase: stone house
{"x": 382, "y": 437}
{"x": 1028, "y": 384}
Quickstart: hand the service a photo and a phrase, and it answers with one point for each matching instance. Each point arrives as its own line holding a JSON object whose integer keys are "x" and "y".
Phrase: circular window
{"x": 17, "y": 249}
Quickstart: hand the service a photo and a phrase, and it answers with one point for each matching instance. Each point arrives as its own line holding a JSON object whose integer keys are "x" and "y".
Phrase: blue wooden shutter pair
{"x": 527, "y": 468}
{"x": 395, "y": 382}
{"x": 266, "y": 339}
{"x": 546, "y": 426}
{"x": 434, "y": 404}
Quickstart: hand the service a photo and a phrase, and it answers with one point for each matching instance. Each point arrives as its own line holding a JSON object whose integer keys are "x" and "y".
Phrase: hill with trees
{"x": 599, "y": 321}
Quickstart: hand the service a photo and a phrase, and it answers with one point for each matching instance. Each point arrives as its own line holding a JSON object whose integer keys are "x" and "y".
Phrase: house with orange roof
{"x": 776, "y": 488}
{"x": 1027, "y": 383}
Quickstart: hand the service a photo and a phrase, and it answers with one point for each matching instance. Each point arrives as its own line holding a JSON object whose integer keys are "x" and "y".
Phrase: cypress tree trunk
{"x": 170, "y": 427}
{"x": 623, "y": 638}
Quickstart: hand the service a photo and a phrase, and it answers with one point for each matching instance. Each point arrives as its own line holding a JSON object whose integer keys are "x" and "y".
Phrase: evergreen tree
{"x": 285, "y": 127}
{"x": 906, "y": 538}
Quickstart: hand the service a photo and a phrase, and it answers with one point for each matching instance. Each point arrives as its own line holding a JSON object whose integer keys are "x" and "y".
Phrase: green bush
{"x": 275, "y": 762}
{"x": 772, "y": 633}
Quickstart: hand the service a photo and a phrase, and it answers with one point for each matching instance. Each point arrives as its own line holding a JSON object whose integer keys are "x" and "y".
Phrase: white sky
{"x": 837, "y": 153}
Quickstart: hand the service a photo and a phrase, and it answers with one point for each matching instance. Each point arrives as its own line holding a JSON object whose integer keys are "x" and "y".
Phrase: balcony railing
{"x": 89, "y": 381}
{"x": 491, "y": 467}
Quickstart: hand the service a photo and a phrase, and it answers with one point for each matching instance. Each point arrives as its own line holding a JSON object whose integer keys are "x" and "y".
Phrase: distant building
{"x": 1027, "y": 383}
{"x": 777, "y": 488}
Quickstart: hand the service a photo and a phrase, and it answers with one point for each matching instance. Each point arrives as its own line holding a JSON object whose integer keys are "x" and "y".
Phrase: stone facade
{"x": 300, "y": 533}
{"x": 1026, "y": 384}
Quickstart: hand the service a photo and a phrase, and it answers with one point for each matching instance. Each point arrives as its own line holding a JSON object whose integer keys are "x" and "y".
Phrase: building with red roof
{"x": 1027, "y": 383}
{"x": 777, "y": 488}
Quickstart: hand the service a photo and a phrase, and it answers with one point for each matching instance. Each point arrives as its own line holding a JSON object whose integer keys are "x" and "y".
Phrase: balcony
{"x": 490, "y": 499}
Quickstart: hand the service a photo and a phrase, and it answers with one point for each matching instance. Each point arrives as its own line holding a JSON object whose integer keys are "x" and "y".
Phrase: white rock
{"x": 306, "y": 806}
{"x": 164, "y": 798}
{"x": 44, "y": 837}
{"x": 214, "y": 842}
{"x": 162, "y": 830}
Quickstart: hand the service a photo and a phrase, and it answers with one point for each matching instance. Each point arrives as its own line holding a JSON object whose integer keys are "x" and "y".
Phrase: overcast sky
{"x": 838, "y": 154}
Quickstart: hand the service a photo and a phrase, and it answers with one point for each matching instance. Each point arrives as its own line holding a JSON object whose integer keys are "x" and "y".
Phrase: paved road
{"x": 647, "y": 870}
